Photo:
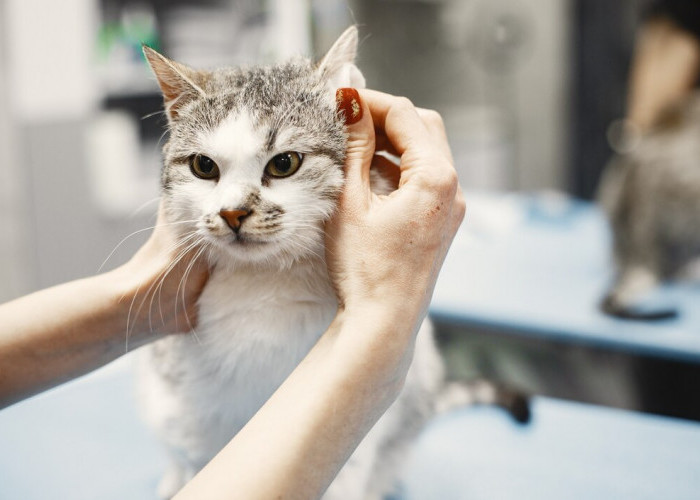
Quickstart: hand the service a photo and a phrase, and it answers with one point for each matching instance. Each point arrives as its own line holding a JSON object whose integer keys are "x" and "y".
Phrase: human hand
{"x": 386, "y": 251}
{"x": 163, "y": 281}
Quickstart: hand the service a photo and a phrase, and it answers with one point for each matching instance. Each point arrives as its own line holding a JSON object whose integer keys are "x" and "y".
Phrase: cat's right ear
{"x": 177, "y": 82}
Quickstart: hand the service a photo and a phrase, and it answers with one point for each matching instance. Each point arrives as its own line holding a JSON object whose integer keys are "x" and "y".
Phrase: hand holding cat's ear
{"x": 388, "y": 250}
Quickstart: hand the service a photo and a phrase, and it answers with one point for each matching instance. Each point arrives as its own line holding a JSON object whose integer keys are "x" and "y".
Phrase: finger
{"x": 424, "y": 163}
{"x": 361, "y": 142}
{"x": 436, "y": 126}
{"x": 398, "y": 119}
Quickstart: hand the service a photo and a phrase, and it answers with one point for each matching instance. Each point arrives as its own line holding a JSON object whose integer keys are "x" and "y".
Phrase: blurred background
{"x": 75, "y": 99}
{"x": 529, "y": 90}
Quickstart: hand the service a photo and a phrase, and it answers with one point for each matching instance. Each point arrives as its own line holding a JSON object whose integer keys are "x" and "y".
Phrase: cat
{"x": 252, "y": 170}
{"x": 651, "y": 196}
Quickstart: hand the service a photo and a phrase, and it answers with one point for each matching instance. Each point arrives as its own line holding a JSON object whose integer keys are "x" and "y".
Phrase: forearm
{"x": 295, "y": 445}
{"x": 59, "y": 333}
{"x": 664, "y": 68}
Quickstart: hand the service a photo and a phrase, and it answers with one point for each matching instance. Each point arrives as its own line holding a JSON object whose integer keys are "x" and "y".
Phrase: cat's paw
{"x": 643, "y": 310}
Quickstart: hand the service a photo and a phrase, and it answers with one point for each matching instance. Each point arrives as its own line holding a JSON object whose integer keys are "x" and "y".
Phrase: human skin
{"x": 664, "y": 69}
{"x": 383, "y": 255}
{"x": 62, "y": 332}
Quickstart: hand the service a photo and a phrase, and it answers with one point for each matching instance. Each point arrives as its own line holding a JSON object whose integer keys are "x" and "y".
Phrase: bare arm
{"x": 384, "y": 253}
{"x": 62, "y": 332}
{"x": 664, "y": 69}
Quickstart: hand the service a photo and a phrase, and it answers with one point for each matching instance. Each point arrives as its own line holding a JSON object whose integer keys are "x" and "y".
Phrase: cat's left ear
{"x": 338, "y": 66}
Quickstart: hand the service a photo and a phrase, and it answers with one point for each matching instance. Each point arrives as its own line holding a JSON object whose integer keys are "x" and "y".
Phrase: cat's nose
{"x": 234, "y": 218}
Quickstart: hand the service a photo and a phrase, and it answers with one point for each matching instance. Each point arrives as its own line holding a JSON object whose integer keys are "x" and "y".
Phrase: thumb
{"x": 361, "y": 142}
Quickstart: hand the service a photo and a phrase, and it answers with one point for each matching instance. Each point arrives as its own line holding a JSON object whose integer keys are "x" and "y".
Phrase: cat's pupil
{"x": 283, "y": 163}
{"x": 206, "y": 164}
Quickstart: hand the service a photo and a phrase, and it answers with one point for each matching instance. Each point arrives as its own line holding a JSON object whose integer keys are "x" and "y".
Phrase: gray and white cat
{"x": 652, "y": 198}
{"x": 252, "y": 170}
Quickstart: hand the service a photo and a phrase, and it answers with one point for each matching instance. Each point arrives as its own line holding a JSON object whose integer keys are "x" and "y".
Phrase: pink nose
{"x": 234, "y": 217}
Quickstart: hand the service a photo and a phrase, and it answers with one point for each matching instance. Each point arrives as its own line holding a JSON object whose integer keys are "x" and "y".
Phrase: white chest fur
{"x": 254, "y": 328}
{"x": 259, "y": 324}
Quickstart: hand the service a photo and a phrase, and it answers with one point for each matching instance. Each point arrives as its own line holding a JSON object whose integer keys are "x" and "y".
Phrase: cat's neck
{"x": 306, "y": 266}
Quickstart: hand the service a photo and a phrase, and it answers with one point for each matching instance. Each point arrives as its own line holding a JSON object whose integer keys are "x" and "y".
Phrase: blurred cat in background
{"x": 651, "y": 195}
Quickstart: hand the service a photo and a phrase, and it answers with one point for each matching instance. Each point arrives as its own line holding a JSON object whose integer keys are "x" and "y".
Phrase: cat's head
{"x": 253, "y": 163}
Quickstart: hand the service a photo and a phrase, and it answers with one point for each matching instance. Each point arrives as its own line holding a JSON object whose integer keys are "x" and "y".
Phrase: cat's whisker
{"x": 139, "y": 231}
{"x": 128, "y": 317}
{"x": 160, "y": 139}
{"x": 183, "y": 282}
{"x": 159, "y": 279}
{"x": 143, "y": 206}
{"x": 183, "y": 251}
{"x": 191, "y": 246}
{"x": 155, "y": 113}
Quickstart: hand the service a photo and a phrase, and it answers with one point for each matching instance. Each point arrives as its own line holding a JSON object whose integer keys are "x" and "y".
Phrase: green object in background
{"x": 124, "y": 39}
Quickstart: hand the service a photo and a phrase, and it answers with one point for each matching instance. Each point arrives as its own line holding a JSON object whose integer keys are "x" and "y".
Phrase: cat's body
{"x": 253, "y": 168}
{"x": 198, "y": 392}
{"x": 652, "y": 197}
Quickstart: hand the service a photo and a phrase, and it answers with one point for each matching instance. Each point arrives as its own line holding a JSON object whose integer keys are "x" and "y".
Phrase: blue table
{"x": 569, "y": 451}
{"x": 84, "y": 441}
{"x": 537, "y": 266}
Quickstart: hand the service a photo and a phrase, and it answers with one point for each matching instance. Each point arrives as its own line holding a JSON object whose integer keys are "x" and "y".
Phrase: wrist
{"x": 375, "y": 343}
{"x": 395, "y": 311}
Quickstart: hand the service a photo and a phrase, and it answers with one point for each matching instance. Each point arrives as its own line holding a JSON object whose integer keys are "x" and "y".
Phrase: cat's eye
{"x": 204, "y": 167}
{"x": 283, "y": 165}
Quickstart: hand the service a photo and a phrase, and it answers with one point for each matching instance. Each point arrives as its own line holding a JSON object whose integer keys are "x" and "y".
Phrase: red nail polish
{"x": 348, "y": 102}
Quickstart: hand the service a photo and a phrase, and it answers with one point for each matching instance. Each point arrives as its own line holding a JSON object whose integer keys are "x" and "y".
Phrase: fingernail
{"x": 347, "y": 101}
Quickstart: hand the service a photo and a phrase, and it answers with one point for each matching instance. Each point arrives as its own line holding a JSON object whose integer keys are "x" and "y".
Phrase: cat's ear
{"x": 177, "y": 82}
{"x": 338, "y": 66}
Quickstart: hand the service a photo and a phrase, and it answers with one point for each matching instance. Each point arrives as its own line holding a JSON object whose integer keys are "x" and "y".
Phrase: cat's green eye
{"x": 204, "y": 167}
{"x": 283, "y": 165}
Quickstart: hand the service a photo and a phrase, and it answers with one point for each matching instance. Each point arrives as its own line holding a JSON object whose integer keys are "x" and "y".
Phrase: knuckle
{"x": 447, "y": 180}
{"x": 404, "y": 103}
{"x": 441, "y": 178}
{"x": 460, "y": 208}
{"x": 434, "y": 118}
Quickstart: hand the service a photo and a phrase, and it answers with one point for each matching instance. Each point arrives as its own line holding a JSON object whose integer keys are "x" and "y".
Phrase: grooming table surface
{"x": 84, "y": 441}
{"x": 538, "y": 265}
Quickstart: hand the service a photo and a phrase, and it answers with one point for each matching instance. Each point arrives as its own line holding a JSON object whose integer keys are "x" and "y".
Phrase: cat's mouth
{"x": 239, "y": 239}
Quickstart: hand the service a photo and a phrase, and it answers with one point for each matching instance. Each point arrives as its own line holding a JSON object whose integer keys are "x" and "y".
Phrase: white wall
{"x": 50, "y": 50}
{"x": 15, "y": 276}
{"x": 51, "y": 93}
{"x": 542, "y": 103}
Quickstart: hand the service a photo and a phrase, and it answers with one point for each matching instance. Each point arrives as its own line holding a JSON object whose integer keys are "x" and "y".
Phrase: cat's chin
{"x": 245, "y": 252}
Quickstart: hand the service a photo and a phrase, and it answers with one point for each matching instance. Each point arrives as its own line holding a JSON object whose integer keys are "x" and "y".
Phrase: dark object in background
{"x": 602, "y": 42}
{"x": 684, "y": 13}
